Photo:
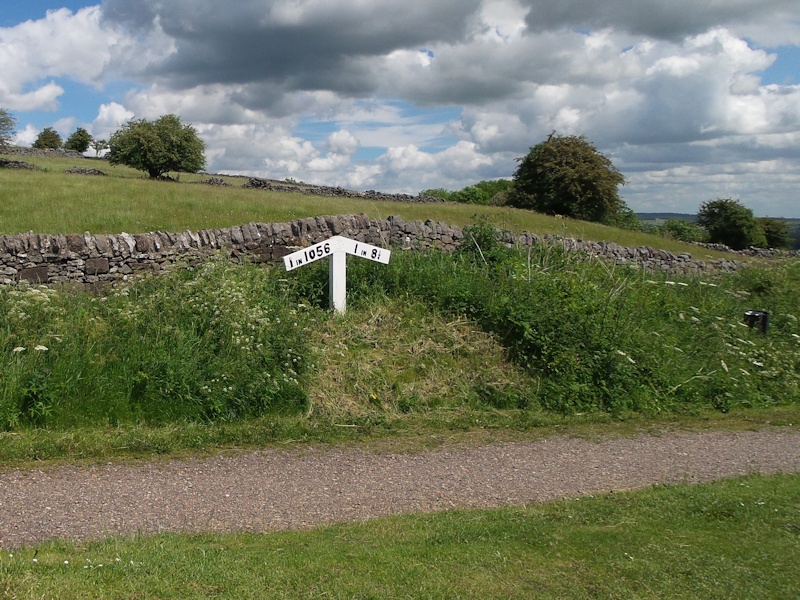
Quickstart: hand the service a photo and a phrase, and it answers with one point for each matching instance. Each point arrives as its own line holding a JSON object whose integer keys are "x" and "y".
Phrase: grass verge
{"x": 737, "y": 538}
{"x": 236, "y": 355}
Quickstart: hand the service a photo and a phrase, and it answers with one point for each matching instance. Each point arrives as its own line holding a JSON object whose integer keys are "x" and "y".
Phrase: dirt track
{"x": 272, "y": 489}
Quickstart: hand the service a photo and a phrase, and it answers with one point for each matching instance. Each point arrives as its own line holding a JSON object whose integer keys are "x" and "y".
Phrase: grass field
{"x": 733, "y": 539}
{"x": 48, "y": 201}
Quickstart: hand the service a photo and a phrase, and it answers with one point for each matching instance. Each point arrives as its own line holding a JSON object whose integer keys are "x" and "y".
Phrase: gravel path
{"x": 294, "y": 489}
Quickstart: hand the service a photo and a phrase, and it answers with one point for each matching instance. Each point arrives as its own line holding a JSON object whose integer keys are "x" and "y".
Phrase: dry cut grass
{"x": 397, "y": 357}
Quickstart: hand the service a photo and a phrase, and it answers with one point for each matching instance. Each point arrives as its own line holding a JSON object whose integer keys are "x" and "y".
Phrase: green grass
{"x": 433, "y": 351}
{"x": 738, "y": 538}
{"x": 48, "y": 201}
{"x": 239, "y": 355}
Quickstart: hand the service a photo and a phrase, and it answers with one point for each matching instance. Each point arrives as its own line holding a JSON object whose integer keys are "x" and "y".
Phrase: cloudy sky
{"x": 692, "y": 99}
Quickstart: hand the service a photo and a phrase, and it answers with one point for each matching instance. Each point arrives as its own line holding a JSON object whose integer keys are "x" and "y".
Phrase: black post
{"x": 757, "y": 318}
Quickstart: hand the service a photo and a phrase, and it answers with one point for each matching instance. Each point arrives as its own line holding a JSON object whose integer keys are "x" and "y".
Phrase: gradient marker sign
{"x": 336, "y": 249}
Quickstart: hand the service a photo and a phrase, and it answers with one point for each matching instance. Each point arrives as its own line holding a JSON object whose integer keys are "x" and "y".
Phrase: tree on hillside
{"x": 7, "y": 125}
{"x": 776, "y": 232}
{"x": 567, "y": 175}
{"x": 483, "y": 192}
{"x": 731, "y": 223}
{"x": 683, "y": 230}
{"x": 48, "y": 138}
{"x": 158, "y": 147}
{"x": 98, "y": 146}
{"x": 79, "y": 141}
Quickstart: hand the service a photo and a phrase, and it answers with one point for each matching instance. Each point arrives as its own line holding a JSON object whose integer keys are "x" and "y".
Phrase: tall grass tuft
{"x": 215, "y": 343}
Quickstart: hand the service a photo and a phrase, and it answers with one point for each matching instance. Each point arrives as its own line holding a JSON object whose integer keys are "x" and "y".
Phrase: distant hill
{"x": 665, "y": 216}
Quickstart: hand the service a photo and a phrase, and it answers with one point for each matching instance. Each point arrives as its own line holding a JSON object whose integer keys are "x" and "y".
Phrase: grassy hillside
{"x": 49, "y": 201}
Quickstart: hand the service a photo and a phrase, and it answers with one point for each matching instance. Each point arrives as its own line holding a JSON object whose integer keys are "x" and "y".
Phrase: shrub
{"x": 776, "y": 232}
{"x": 566, "y": 175}
{"x": 731, "y": 223}
{"x": 48, "y": 138}
{"x": 79, "y": 141}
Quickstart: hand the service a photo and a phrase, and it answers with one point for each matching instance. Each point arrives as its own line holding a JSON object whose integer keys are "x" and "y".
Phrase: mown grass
{"x": 48, "y": 201}
{"x": 732, "y": 539}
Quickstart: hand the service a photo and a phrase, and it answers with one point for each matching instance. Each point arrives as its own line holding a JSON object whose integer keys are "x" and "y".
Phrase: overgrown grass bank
{"x": 733, "y": 539}
{"x": 488, "y": 336}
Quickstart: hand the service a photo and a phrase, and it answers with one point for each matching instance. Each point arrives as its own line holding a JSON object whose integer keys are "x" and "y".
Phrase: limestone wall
{"x": 92, "y": 259}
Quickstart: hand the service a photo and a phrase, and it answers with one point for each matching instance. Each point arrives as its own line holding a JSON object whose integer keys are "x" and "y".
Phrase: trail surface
{"x": 270, "y": 490}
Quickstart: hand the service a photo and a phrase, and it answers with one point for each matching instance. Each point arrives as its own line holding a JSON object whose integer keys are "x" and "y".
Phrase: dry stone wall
{"x": 331, "y": 192}
{"x": 102, "y": 258}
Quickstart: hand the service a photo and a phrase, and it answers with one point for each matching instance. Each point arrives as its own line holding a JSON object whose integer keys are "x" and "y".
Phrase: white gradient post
{"x": 337, "y": 281}
{"x": 336, "y": 249}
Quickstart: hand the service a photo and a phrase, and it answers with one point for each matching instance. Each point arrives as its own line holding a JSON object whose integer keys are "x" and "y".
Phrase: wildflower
{"x": 19, "y": 349}
{"x": 41, "y": 348}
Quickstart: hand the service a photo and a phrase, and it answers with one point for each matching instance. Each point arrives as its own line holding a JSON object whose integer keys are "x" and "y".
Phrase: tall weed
{"x": 215, "y": 343}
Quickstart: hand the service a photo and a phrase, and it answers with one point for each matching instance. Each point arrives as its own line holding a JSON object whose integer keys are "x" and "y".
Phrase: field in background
{"x": 49, "y": 201}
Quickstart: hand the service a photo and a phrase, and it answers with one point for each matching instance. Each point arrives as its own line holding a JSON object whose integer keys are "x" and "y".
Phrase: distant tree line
{"x": 156, "y": 147}
{"x": 568, "y": 176}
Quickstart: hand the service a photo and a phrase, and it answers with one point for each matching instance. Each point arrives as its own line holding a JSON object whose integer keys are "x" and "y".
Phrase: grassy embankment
{"x": 479, "y": 346}
{"x": 490, "y": 339}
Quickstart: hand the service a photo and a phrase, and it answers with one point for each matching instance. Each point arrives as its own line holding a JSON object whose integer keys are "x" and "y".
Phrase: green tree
{"x": 794, "y": 234}
{"x": 567, "y": 175}
{"x": 7, "y": 125}
{"x": 683, "y": 230}
{"x": 438, "y": 193}
{"x": 158, "y": 147}
{"x": 731, "y": 223}
{"x": 48, "y": 138}
{"x": 483, "y": 192}
{"x": 98, "y": 146}
{"x": 79, "y": 141}
{"x": 776, "y": 232}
